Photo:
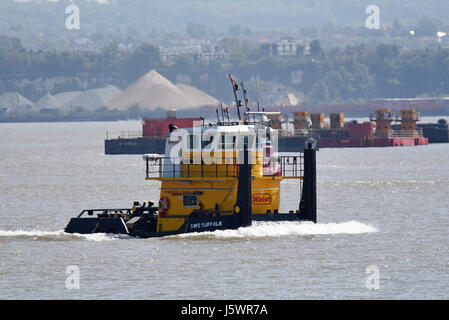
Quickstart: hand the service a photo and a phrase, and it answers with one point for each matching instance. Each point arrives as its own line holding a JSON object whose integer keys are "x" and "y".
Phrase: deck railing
{"x": 401, "y": 133}
{"x": 407, "y": 133}
{"x": 291, "y": 166}
{"x": 280, "y": 166}
{"x": 123, "y": 134}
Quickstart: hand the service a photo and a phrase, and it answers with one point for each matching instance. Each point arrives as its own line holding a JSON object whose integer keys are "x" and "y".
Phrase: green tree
{"x": 319, "y": 93}
{"x": 427, "y": 27}
{"x": 143, "y": 59}
{"x": 110, "y": 58}
{"x": 315, "y": 49}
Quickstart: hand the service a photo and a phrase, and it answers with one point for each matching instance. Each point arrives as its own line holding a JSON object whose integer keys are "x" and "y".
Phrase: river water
{"x": 382, "y": 233}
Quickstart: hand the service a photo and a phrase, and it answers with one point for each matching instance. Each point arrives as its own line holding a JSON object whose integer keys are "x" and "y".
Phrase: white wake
{"x": 57, "y": 235}
{"x": 287, "y": 228}
{"x": 257, "y": 230}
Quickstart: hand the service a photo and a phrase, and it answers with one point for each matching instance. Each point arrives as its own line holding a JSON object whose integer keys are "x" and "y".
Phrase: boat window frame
{"x": 189, "y": 195}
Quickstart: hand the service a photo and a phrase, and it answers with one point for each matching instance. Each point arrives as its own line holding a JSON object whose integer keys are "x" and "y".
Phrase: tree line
{"x": 340, "y": 75}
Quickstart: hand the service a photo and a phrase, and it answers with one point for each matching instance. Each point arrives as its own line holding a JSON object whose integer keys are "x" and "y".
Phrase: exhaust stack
{"x": 307, "y": 205}
{"x": 243, "y": 206}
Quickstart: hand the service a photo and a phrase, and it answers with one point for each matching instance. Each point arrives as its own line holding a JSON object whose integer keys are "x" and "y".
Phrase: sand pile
{"x": 47, "y": 101}
{"x": 153, "y": 91}
{"x": 13, "y": 101}
{"x": 92, "y": 99}
{"x": 64, "y": 97}
{"x": 195, "y": 94}
{"x": 89, "y": 100}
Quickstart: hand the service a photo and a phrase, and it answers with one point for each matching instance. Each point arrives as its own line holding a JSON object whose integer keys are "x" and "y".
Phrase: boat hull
{"x": 118, "y": 225}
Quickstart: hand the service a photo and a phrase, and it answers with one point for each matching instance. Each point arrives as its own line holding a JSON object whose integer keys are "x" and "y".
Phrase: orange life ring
{"x": 164, "y": 204}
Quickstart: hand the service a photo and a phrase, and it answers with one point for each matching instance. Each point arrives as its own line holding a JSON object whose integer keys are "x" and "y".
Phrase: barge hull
{"x": 135, "y": 146}
{"x": 373, "y": 142}
{"x": 435, "y": 134}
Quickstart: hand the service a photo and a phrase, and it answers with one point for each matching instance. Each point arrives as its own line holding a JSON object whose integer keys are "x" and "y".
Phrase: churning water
{"x": 384, "y": 209}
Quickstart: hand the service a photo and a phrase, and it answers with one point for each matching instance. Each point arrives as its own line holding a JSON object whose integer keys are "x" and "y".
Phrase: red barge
{"x": 379, "y": 132}
{"x": 385, "y": 129}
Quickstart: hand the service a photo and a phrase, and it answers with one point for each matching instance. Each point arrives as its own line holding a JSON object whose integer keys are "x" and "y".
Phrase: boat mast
{"x": 235, "y": 88}
{"x": 218, "y": 118}
{"x": 222, "y": 113}
{"x": 244, "y": 96}
{"x": 257, "y": 94}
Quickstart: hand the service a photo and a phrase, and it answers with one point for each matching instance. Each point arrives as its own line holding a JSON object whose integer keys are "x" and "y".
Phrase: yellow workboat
{"x": 214, "y": 176}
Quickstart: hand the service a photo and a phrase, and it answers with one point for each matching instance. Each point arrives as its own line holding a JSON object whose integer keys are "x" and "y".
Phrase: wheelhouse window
{"x": 190, "y": 200}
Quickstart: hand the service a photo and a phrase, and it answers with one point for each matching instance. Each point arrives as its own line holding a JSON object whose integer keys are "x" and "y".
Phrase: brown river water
{"x": 382, "y": 232}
